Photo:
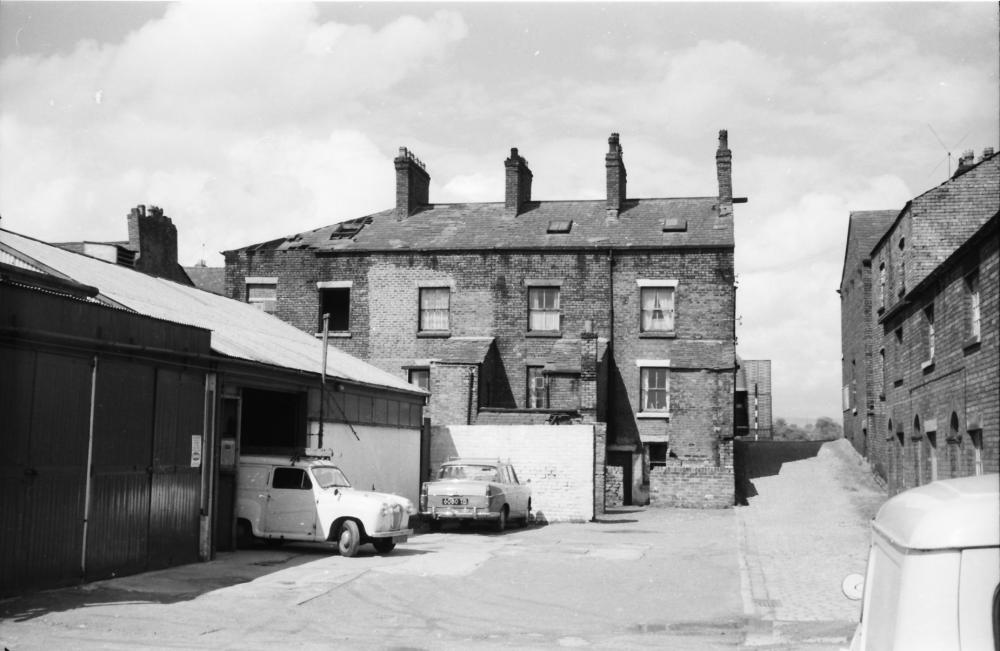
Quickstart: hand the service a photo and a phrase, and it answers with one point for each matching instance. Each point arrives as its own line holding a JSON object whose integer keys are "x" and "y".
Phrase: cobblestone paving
{"x": 800, "y": 535}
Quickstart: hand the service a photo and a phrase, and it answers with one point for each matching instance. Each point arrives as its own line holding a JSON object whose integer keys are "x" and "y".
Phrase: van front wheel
{"x": 348, "y": 539}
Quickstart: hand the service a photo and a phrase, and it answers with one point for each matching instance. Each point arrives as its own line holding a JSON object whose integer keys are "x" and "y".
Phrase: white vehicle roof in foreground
{"x": 284, "y": 460}
{"x": 946, "y": 514}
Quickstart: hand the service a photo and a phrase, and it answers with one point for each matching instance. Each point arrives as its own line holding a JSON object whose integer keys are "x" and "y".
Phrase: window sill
{"x": 653, "y": 415}
{"x": 658, "y": 335}
{"x": 927, "y": 366}
{"x": 335, "y": 335}
{"x": 971, "y": 345}
{"x": 433, "y": 334}
{"x": 543, "y": 334}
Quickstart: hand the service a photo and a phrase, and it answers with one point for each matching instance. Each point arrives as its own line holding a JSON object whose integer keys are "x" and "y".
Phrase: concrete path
{"x": 804, "y": 528}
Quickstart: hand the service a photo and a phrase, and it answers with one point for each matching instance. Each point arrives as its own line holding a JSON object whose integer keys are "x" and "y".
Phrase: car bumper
{"x": 398, "y": 536}
{"x": 459, "y": 513}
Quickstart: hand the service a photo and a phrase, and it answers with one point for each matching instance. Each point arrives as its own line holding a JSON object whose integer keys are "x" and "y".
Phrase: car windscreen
{"x": 469, "y": 471}
{"x": 330, "y": 477}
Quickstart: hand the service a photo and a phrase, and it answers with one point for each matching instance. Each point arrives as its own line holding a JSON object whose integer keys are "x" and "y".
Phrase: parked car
{"x": 308, "y": 498}
{"x": 933, "y": 577}
{"x": 470, "y": 490}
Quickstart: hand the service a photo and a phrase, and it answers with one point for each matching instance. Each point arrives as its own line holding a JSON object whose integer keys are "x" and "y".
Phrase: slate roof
{"x": 464, "y": 350}
{"x": 677, "y": 222}
{"x": 864, "y": 229}
{"x": 239, "y": 330}
{"x": 210, "y": 279}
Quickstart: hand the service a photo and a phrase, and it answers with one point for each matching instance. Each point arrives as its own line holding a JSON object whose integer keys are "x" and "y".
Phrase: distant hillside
{"x": 800, "y": 429}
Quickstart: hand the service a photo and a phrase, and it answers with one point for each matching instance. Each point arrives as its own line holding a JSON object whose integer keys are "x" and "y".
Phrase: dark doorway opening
{"x": 272, "y": 421}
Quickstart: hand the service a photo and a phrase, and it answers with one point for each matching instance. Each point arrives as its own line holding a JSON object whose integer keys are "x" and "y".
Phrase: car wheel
{"x": 383, "y": 545}
{"x": 348, "y": 539}
{"x": 501, "y": 522}
{"x": 244, "y": 535}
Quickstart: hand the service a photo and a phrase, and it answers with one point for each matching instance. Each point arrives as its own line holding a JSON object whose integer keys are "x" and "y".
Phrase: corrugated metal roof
{"x": 238, "y": 329}
{"x": 678, "y": 222}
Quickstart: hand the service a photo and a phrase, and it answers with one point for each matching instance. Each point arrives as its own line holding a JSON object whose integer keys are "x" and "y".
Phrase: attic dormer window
{"x": 560, "y": 226}
{"x": 349, "y": 228}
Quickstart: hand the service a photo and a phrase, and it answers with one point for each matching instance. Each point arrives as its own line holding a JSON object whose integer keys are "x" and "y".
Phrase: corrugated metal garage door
{"x": 45, "y": 406}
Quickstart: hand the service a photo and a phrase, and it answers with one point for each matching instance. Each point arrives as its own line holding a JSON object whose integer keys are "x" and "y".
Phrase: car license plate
{"x": 454, "y": 501}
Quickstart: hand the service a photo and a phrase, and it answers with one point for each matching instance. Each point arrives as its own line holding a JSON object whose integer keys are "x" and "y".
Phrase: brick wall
{"x": 953, "y": 395}
{"x": 614, "y": 492}
{"x": 489, "y": 299}
{"x": 691, "y": 486}
{"x": 558, "y": 459}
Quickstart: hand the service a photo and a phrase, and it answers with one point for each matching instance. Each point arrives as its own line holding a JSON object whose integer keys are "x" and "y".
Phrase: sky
{"x": 252, "y": 121}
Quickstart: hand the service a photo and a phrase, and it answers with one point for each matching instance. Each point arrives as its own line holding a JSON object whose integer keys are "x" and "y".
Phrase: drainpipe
{"x": 89, "y": 468}
{"x": 322, "y": 381}
{"x": 468, "y": 417}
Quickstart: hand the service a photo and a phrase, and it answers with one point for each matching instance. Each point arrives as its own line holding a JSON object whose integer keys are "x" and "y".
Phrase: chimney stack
{"x": 987, "y": 152}
{"x": 412, "y": 184}
{"x": 616, "y": 176}
{"x": 153, "y": 237}
{"x": 724, "y": 170}
{"x": 965, "y": 161}
{"x": 518, "y": 186}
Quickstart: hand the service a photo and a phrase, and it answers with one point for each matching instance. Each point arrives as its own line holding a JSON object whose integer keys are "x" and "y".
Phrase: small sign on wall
{"x": 227, "y": 457}
{"x": 196, "y": 451}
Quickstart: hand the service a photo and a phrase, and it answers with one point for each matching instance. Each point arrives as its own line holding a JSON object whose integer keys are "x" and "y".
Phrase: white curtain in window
{"x": 657, "y": 309}
{"x": 434, "y": 308}
{"x": 543, "y": 308}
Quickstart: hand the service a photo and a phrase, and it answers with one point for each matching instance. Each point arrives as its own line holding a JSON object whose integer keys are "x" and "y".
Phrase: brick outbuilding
{"x": 617, "y": 311}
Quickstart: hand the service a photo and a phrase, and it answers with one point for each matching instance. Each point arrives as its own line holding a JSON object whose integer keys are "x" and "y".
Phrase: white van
{"x": 307, "y": 498}
{"x": 933, "y": 577}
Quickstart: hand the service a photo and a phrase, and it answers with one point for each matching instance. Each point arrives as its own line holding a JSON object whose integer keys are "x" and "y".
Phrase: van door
{"x": 291, "y": 505}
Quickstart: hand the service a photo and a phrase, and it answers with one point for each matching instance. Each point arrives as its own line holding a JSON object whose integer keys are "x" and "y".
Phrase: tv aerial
{"x": 947, "y": 150}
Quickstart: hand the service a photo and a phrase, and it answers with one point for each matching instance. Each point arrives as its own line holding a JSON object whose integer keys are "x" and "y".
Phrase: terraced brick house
{"x": 930, "y": 393}
{"x": 617, "y": 311}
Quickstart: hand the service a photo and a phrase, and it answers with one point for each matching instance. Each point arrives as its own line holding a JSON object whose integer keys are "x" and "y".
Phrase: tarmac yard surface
{"x": 765, "y": 575}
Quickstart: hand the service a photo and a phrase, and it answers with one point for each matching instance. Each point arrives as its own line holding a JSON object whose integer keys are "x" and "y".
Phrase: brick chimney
{"x": 987, "y": 152}
{"x": 965, "y": 161}
{"x": 616, "y": 176}
{"x": 724, "y": 171}
{"x": 153, "y": 237}
{"x": 518, "y": 186}
{"x": 412, "y": 184}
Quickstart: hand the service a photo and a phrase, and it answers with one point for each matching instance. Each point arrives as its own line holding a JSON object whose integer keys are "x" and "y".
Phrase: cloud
{"x": 233, "y": 121}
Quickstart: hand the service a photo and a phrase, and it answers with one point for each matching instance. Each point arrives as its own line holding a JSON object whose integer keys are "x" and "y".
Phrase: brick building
{"x": 617, "y": 311}
{"x": 857, "y": 327}
{"x": 928, "y": 401}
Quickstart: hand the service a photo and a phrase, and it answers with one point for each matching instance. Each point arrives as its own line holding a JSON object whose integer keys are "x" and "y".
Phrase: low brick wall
{"x": 692, "y": 486}
{"x": 558, "y": 459}
{"x": 614, "y": 487}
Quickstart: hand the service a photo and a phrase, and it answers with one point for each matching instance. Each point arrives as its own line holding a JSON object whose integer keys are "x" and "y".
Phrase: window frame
{"x": 670, "y": 284}
{"x": 974, "y": 307}
{"x": 645, "y": 370}
{"x": 538, "y": 371}
{"x": 927, "y": 314}
{"x": 422, "y": 310}
{"x": 326, "y": 288}
{"x": 555, "y": 311}
{"x": 423, "y": 370}
{"x": 262, "y": 303}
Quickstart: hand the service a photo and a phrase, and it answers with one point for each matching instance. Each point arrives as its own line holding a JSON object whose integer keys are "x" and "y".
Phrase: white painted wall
{"x": 387, "y": 458}
{"x": 558, "y": 459}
